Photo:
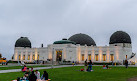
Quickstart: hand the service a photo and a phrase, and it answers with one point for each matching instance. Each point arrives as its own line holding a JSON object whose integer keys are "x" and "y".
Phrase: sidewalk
{"x": 38, "y": 68}
{"x": 11, "y": 65}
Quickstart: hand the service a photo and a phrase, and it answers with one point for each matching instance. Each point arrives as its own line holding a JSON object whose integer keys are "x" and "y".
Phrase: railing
{"x": 133, "y": 55}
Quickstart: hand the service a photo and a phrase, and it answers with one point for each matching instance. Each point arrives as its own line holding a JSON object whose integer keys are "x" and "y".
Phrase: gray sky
{"x": 45, "y": 21}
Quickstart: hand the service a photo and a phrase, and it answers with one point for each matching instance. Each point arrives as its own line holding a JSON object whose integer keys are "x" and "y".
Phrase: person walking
{"x": 126, "y": 63}
{"x": 112, "y": 63}
{"x": 73, "y": 63}
{"x": 90, "y": 66}
{"x": 85, "y": 65}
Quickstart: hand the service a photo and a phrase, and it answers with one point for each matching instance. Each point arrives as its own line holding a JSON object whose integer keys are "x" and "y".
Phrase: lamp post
{"x": 19, "y": 62}
{"x": 52, "y": 57}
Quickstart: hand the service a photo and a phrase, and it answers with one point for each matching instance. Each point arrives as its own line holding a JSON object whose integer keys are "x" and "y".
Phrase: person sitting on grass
{"x": 24, "y": 68}
{"x": 27, "y": 73}
{"x": 25, "y": 77}
{"x": 44, "y": 76}
{"x": 37, "y": 73}
{"x": 31, "y": 69}
{"x": 32, "y": 77}
{"x": 107, "y": 66}
{"x": 104, "y": 67}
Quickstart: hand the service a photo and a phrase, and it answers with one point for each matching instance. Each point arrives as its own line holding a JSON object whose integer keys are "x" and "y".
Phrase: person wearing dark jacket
{"x": 126, "y": 63}
{"x": 44, "y": 76}
{"x": 27, "y": 73}
{"x": 90, "y": 65}
{"x": 32, "y": 77}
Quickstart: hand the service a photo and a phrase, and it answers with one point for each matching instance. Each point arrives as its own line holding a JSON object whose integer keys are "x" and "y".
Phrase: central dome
{"x": 23, "y": 42}
{"x": 120, "y": 37}
{"x": 64, "y": 41}
{"x": 82, "y": 39}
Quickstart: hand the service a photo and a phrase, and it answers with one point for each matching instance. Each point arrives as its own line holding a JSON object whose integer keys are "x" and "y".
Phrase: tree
{"x": 0, "y": 55}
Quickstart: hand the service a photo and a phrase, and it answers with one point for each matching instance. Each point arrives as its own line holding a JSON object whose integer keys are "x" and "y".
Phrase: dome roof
{"x": 64, "y": 41}
{"x": 120, "y": 37}
{"x": 23, "y": 42}
{"x": 82, "y": 39}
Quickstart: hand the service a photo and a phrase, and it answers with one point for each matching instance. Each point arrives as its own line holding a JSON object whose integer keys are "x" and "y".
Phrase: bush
{"x": 110, "y": 63}
{"x": 30, "y": 63}
{"x": 12, "y": 61}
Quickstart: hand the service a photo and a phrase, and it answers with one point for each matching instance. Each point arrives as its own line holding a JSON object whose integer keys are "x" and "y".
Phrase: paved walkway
{"x": 38, "y": 68}
{"x": 12, "y": 65}
{"x": 132, "y": 79}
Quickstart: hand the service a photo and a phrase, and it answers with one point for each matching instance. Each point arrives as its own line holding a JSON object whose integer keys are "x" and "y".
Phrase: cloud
{"x": 45, "y": 21}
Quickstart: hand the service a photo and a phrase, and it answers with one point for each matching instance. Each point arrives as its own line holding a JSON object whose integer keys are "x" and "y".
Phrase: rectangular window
{"x": 38, "y": 57}
{"x": 104, "y": 57}
{"x": 33, "y": 57}
{"x": 89, "y": 56}
{"x": 96, "y": 57}
{"x": 28, "y": 57}
{"x": 112, "y": 57}
{"x": 19, "y": 57}
{"x": 82, "y": 57}
{"x": 23, "y": 57}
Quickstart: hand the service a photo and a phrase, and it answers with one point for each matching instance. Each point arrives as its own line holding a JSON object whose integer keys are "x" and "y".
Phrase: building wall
{"x": 33, "y": 53}
{"x": 77, "y": 53}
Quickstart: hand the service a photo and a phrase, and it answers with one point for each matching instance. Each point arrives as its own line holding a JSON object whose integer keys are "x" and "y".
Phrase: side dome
{"x": 82, "y": 39}
{"x": 120, "y": 37}
{"x": 23, "y": 42}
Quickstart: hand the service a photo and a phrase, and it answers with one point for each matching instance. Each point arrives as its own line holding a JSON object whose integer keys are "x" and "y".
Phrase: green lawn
{"x": 73, "y": 74}
{"x": 19, "y": 67}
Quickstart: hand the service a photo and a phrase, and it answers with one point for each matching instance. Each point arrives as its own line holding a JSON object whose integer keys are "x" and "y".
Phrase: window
{"x": 82, "y": 57}
{"x": 96, "y": 57}
{"x": 112, "y": 57}
{"x": 33, "y": 57}
{"x": 19, "y": 57}
{"x": 89, "y": 56}
{"x": 38, "y": 57}
{"x": 28, "y": 57}
{"x": 23, "y": 57}
{"x": 104, "y": 57}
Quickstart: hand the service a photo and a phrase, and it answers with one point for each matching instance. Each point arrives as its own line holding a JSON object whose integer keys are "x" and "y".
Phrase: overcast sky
{"x": 45, "y": 21}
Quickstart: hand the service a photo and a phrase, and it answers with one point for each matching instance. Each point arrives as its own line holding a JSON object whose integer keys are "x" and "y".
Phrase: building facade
{"x": 78, "y": 47}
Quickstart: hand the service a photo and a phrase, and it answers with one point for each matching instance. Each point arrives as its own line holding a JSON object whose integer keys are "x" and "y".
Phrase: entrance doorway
{"x": 59, "y": 55}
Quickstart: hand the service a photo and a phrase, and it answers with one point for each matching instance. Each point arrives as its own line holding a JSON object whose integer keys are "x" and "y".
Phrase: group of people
{"x": 89, "y": 68}
{"x": 89, "y": 64}
{"x": 33, "y": 76}
{"x": 106, "y": 66}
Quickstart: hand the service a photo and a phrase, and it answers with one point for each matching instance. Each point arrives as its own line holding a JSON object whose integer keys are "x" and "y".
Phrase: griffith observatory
{"x": 77, "y": 48}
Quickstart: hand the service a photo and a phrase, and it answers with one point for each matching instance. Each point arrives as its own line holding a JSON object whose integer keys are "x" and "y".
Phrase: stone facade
{"x": 71, "y": 52}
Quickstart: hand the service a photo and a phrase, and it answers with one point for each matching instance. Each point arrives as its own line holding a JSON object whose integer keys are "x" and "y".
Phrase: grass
{"x": 19, "y": 67}
{"x": 73, "y": 74}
